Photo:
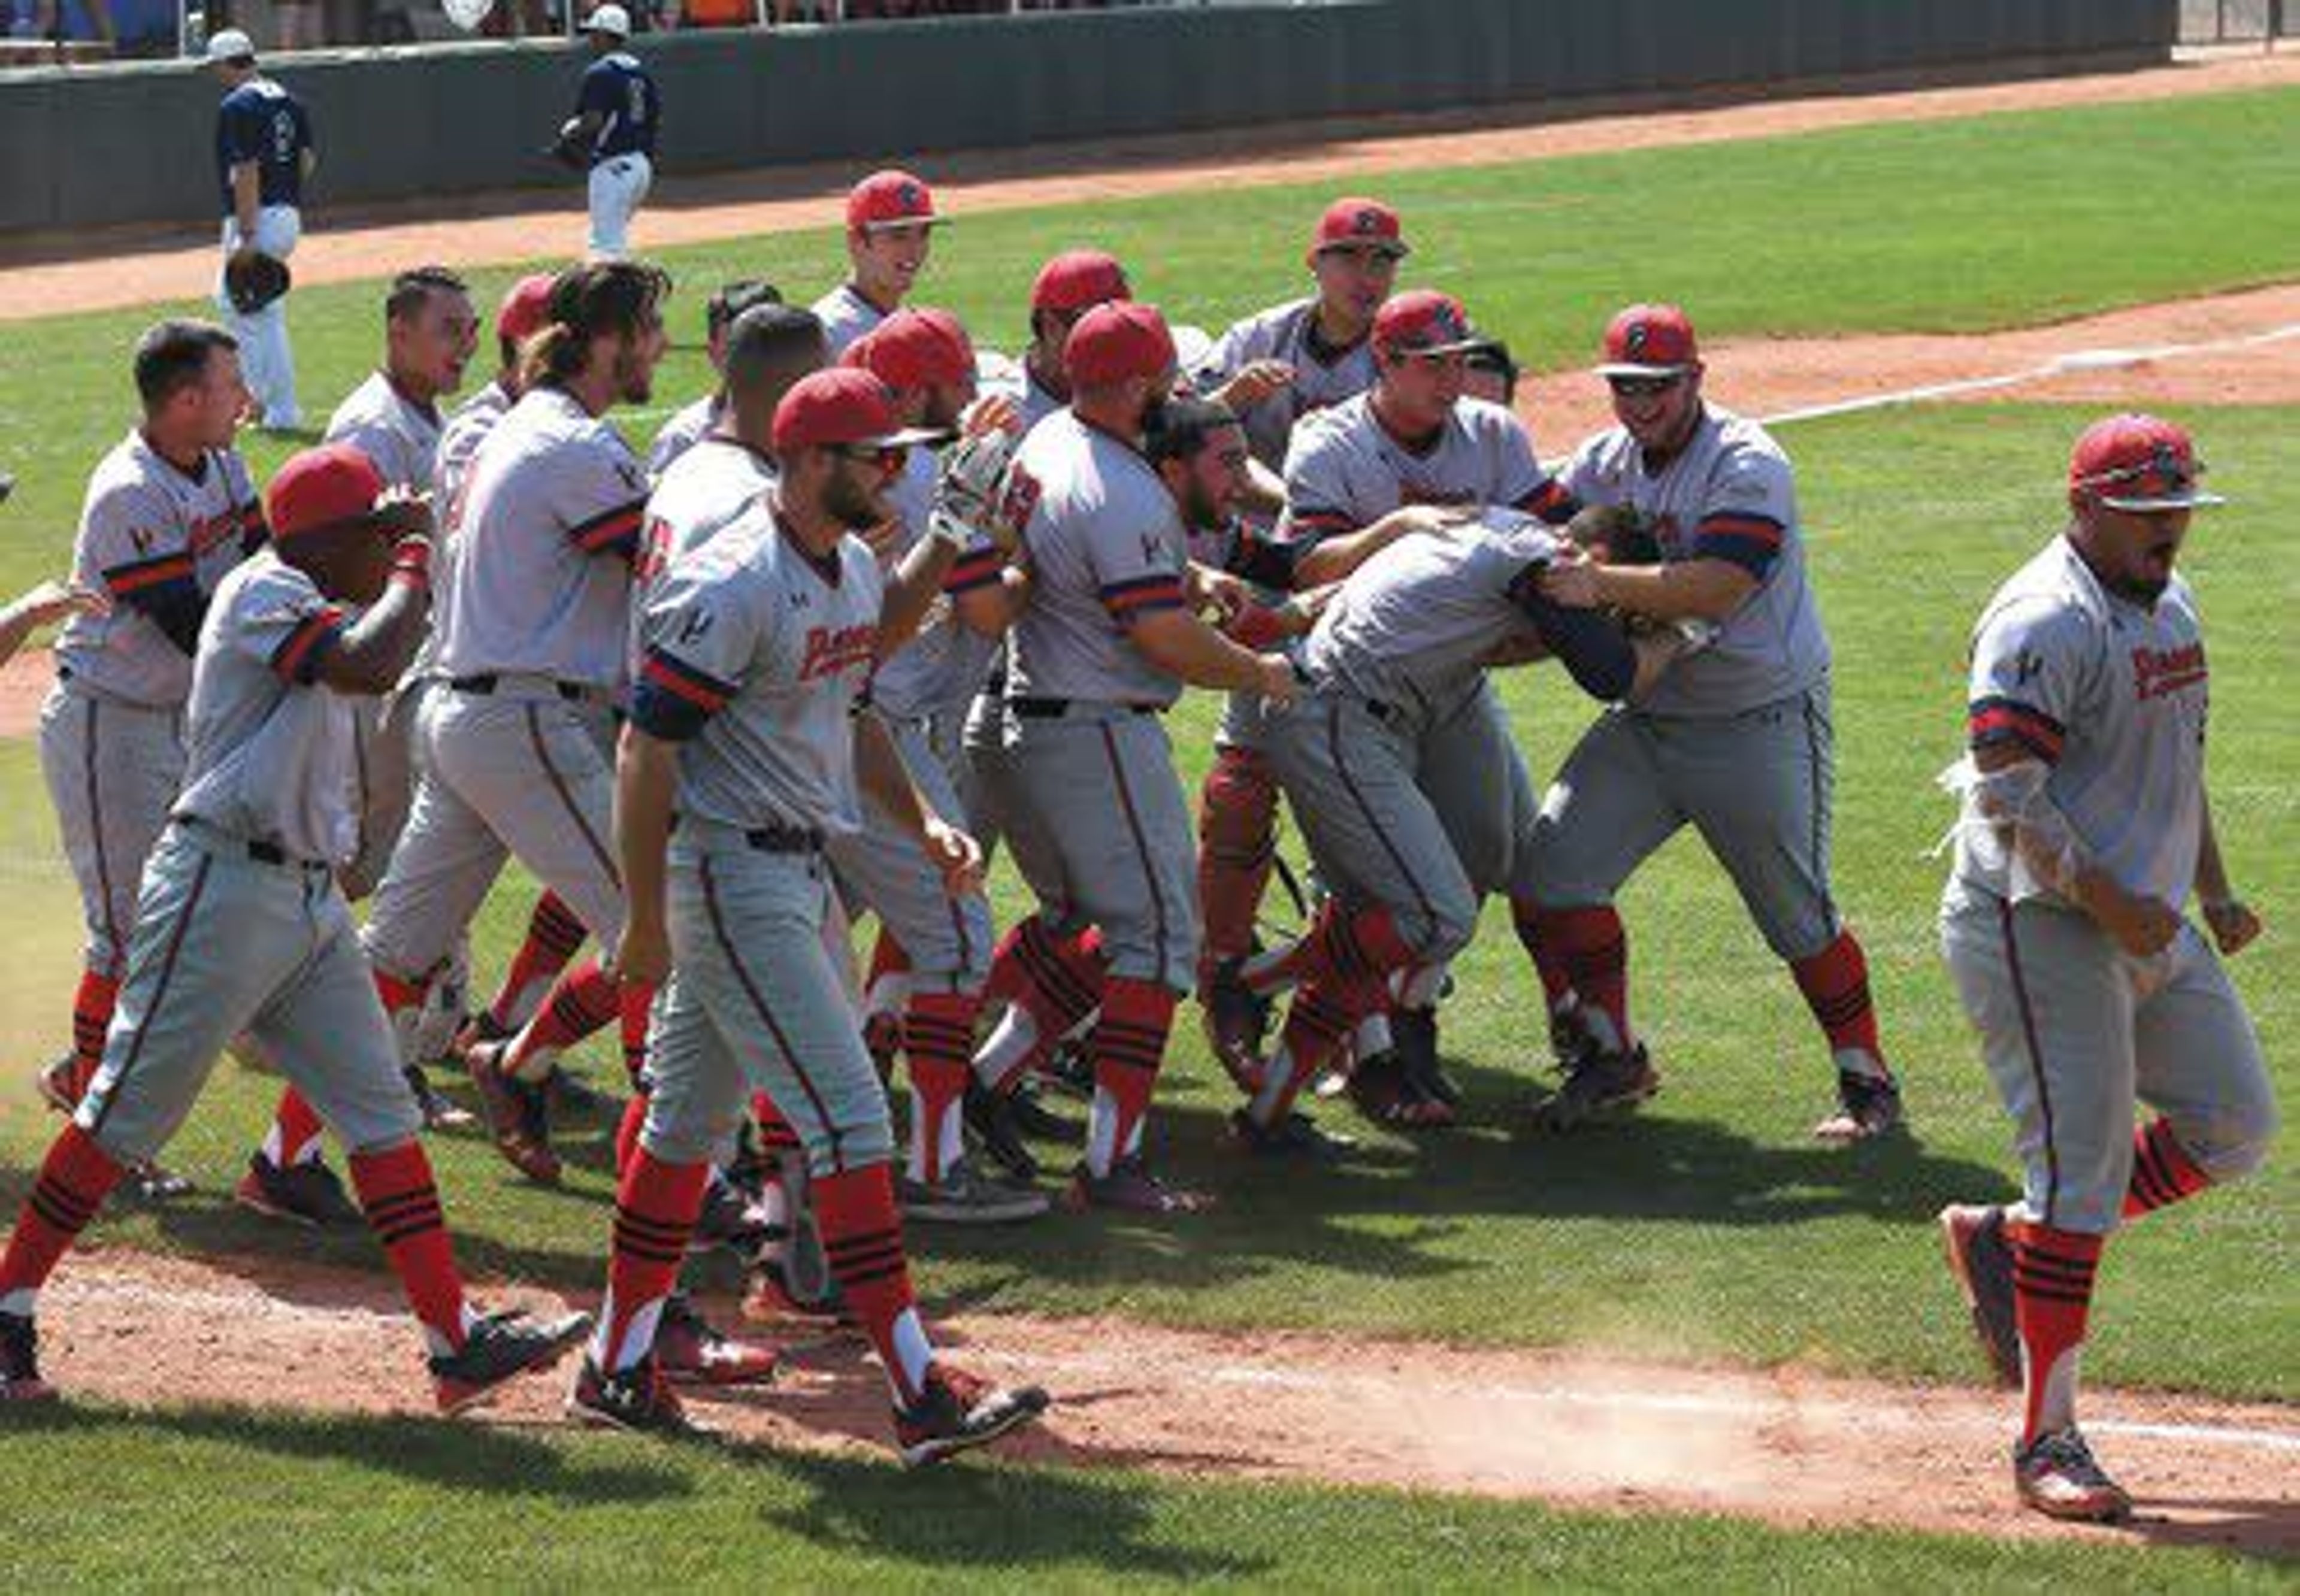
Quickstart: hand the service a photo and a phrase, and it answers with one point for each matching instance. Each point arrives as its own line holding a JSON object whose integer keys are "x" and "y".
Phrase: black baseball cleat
{"x": 1033, "y": 1118}
{"x": 638, "y": 1398}
{"x": 1295, "y": 1136}
{"x": 150, "y": 1182}
{"x": 1237, "y": 1022}
{"x": 1414, "y": 1034}
{"x": 500, "y": 1348}
{"x": 1599, "y": 1083}
{"x": 2057, "y": 1474}
{"x": 1130, "y": 1188}
{"x": 19, "y": 1361}
{"x": 958, "y": 1411}
{"x": 440, "y": 1112}
{"x": 517, "y": 1113}
{"x": 1980, "y": 1257}
{"x": 307, "y": 1194}
{"x": 1069, "y": 1068}
{"x": 690, "y": 1353}
{"x": 991, "y": 1118}
{"x": 1868, "y": 1107}
{"x": 732, "y": 1217}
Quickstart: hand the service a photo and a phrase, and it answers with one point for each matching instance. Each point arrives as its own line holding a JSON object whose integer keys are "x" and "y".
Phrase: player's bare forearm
{"x": 378, "y": 648}
{"x": 1188, "y": 649}
{"x": 246, "y": 199}
{"x": 880, "y": 772}
{"x": 911, "y": 591}
{"x": 2212, "y": 869}
{"x": 2011, "y": 794}
{"x": 646, "y": 782}
{"x": 1687, "y": 589}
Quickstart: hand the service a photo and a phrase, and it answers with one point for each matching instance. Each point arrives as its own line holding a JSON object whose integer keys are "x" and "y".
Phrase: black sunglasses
{"x": 1644, "y": 387}
{"x": 887, "y": 457}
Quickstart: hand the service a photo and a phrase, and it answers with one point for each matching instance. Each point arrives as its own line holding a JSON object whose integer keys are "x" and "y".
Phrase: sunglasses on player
{"x": 888, "y": 457}
{"x": 1644, "y": 387}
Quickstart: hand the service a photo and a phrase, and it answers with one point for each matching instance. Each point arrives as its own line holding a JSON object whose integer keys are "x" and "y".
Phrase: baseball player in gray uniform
{"x": 2085, "y": 831}
{"x": 890, "y": 222}
{"x": 687, "y": 426}
{"x": 1107, "y": 637}
{"x": 1392, "y": 666}
{"x": 517, "y": 743}
{"x": 241, "y": 926}
{"x": 1412, "y": 442}
{"x": 1738, "y": 744}
{"x": 170, "y": 511}
{"x": 745, "y": 726}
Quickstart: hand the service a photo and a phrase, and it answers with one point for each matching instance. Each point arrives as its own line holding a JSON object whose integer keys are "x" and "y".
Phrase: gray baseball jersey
{"x": 846, "y": 316}
{"x": 1345, "y": 470}
{"x": 1727, "y": 494}
{"x": 157, "y": 539}
{"x": 450, "y": 472}
{"x": 682, "y": 432}
{"x": 1323, "y": 376}
{"x": 1105, "y": 544}
{"x": 2113, "y": 695}
{"x": 754, "y": 653}
{"x": 940, "y": 668}
{"x": 400, "y": 435}
{"x": 548, "y": 527}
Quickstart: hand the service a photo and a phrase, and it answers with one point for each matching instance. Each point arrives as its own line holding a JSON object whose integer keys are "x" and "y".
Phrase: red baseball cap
{"x": 526, "y": 308}
{"x": 841, "y": 404}
{"x": 321, "y": 487}
{"x": 1350, "y": 222}
{"x": 1078, "y": 280}
{"x": 1424, "y": 321}
{"x": 915, "y": 349}
{"x": 1649, "y": 340}
{"x": 1116, "y": 341}
{"x": 2137, "y": 462}
{"x": 889, "y": 199}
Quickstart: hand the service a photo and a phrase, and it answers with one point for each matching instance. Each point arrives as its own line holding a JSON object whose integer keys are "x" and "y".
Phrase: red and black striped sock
{"x": 1348, "y": 960}
{"x": 655, "y": 1209}
{"x": 74, "y": 1179}
{"x": 863, "y": 1239}
{"x": 92, "y": 1007}
{"x": 1548, "y": 964}
{"x": 401, "y": 1199}
{"x": 2162, "y": 1172}
{"x": 939, "y": 1036}
{"x": 582, "y": 1002}
{"x": 634, "y": 1009}
{"x": 552, "y": 936}
{"x": 1835, "y": 982}
{"x": 1128, "y": 1045}
{"x": 1592, "y": 946}
{"x": 2053, "y": 1275}
{"x": 295, "y": 1130}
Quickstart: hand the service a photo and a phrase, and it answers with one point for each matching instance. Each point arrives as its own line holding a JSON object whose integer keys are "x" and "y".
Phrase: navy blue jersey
{"x": 618, "y": 89}
{"x": 263, "y": 122}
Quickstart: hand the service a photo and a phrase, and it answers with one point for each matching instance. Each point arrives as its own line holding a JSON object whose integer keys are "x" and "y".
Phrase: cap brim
{"x": 911, "y": 436}
{"x": 905, "y": 221}
{"x": 1396, "y": 249}
{"x": 2187, "y": 501}
{"x": 1458, "y": 347}
{"x": 1632, "y": 369}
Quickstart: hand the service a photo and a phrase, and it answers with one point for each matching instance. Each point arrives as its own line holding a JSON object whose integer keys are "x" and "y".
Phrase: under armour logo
{"x": 696, "y": 626}
{"x": 1638, "y": 337}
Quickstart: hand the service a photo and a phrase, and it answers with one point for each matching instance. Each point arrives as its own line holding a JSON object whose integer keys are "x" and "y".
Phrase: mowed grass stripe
{"x": 1987, "y": 221}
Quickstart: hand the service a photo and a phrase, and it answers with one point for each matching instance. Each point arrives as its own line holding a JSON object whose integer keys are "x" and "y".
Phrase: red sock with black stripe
{"x": 634, "y": 1009}
{"x": 554, "y": 933}
{"x": 74, "y": 1179}
{"x": 401, "y": 1199}
{"x": 2162, "y": 1172}
{"x": 939, "y": 1037}
{"x": 583, "y": 1002}
{"x": 863, "y": 1239}
{"x": 1126, "y": 1046}
{"x": 655, "y": 1208}
{"x": 1556, "y": 982}
{"x": 92, "y": 1007}
{"x": 293, "y": 1137}
{"x": 1835, "y": 982}
{"x": 2053, "y": 1275}
{"x": 1049, "y": 983}
{"x": 1592, "y": 947}
{"x": 628, "y": 1128}
{"x": 1345, "y": 976}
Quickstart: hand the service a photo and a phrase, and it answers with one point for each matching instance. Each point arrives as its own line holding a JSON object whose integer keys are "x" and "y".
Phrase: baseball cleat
{"x": 150, "y": 1182}
{"x": 1387, "y": 1095}
{"x": 570, "y": 1093}
{"x": 1033, "y": 1118}
{"x": 958, "y": 1411}
{"x": 638, "y": 1398}
{"x": 1867, "y": 1108}
{"x": 1980, "y": 1257}
{"x": 1295, "y": 1136}
{"x": 1414, "y": 1033}
{"x": 1569, "y": 1041}
{"x": 2057, "y": 1474}
{"x": 772, "y": 1296}
{"x": 1237, "y": 1022}
{"x": 1069, "y": 1069}
{"x": 307, "y": 1194}
{"x": 690, "y": 1353}
{"x": 55, "y": 1083}
{"x": 440, "y": 1113}
{"x": 964, "y": 1196}
{"x": 19, "y": 1361}
{"x": 992, "y": 1119}
{"x": 1600, "y": 1083}
{"x": 500, "y": 1348}
{"x": 731, "y": 1218}
{"x": 1132, "y": 1188}
{"x": 516, "y": 1113}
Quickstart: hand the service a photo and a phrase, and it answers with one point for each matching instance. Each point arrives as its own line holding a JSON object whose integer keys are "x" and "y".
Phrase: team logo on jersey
{"x": 830, "y": 650}
{"x": 1019, "y": 499}
{"x": 1156, "y": 554}
{"x": 2027, "y": 666}
{"x": 2161, "y": 672}
{"x": 696, "y": 626}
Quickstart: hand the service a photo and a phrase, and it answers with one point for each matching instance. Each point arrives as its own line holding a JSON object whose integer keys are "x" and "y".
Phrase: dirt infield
{"x": 56, "y": 275}
{"x": 1787, "y": 1447}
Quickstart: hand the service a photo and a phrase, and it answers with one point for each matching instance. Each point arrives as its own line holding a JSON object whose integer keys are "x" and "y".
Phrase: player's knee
{"x": 2231, "y": 1138}
{"x": 1445, "y": 930}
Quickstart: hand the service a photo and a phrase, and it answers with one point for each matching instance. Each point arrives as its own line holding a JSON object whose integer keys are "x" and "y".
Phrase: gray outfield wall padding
{"x": 133, "y": 144}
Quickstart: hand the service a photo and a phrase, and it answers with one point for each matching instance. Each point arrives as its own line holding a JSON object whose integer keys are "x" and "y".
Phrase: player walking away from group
{"x": 170, "y": 511}
{"x": 890, "y": 222}
{"x": 2086, "y": 829}
{"x": 745, "y": 726}
{"x": 241, "y": 926}
{"x": 265, "y": 155}
{"x": 1738, "y": 742}
{"x": 618, "y": 114}
{"x": 518, "y": 743}
{"x": 1107, "y": 638}
{"x": 690, "y": 422}
{"x": 1411, "y": 448}
{"x": 1394, "y": 665}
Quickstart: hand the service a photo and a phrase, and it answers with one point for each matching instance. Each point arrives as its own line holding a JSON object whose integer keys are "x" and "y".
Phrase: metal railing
{"x": 2238, "y": 21}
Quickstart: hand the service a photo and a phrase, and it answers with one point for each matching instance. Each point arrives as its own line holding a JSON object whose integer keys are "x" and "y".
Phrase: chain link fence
{"x": 2238, "y": 21}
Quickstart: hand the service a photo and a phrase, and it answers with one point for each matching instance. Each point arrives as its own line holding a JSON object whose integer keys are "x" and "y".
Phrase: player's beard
{"x": 851, "y": 504}
{"x": 634, "y": 378}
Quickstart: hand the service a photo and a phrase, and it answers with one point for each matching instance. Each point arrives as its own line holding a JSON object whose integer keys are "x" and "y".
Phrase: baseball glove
{"x": 254, "y": 280}
{"x": 966, "y": 489}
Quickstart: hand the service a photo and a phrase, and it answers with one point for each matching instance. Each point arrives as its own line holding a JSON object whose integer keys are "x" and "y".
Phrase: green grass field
{"x": 1710, "y": 1227}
